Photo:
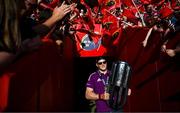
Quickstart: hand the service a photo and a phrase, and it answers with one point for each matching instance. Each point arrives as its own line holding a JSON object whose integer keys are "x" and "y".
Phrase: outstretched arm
{"x": 59, "y": 13}
{"x": 172, "y": 52}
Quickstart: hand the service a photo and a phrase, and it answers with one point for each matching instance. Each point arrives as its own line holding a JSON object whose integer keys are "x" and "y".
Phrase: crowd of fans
{"x": 113, "y": 16}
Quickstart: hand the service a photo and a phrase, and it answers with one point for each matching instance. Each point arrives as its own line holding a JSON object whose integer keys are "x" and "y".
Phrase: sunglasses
{"x": 100, "y": 63}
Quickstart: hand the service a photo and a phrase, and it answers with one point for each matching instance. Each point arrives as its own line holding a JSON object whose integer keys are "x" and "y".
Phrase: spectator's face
{"x": 28, "y": 3}
{"x": 102, "y": 65}
{"x": 149, "y": 8}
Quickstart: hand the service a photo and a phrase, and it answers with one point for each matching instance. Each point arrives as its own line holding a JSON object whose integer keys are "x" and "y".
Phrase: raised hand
{"x": 60, "y": 12}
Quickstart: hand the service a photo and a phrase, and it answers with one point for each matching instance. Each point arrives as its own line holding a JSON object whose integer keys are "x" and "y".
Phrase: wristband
{"x": 100, "y": 96}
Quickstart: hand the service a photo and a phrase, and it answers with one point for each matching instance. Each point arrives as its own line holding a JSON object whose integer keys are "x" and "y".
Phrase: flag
{"x": 127, "y": 3}
{"x": 165, "y": 12}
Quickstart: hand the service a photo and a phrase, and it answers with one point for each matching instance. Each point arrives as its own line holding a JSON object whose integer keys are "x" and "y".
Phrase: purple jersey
{"x": 97, "y": 82}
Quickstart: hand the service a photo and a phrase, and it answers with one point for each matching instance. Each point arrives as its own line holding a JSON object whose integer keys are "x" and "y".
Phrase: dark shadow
{"x": 173, "y": 98}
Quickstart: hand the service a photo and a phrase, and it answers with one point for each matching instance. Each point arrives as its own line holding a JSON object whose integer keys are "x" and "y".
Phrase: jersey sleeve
{"x": 90, "y": 82}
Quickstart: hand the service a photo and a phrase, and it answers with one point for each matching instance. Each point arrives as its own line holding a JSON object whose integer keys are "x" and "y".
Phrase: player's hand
{"x": 104, "y": 96}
